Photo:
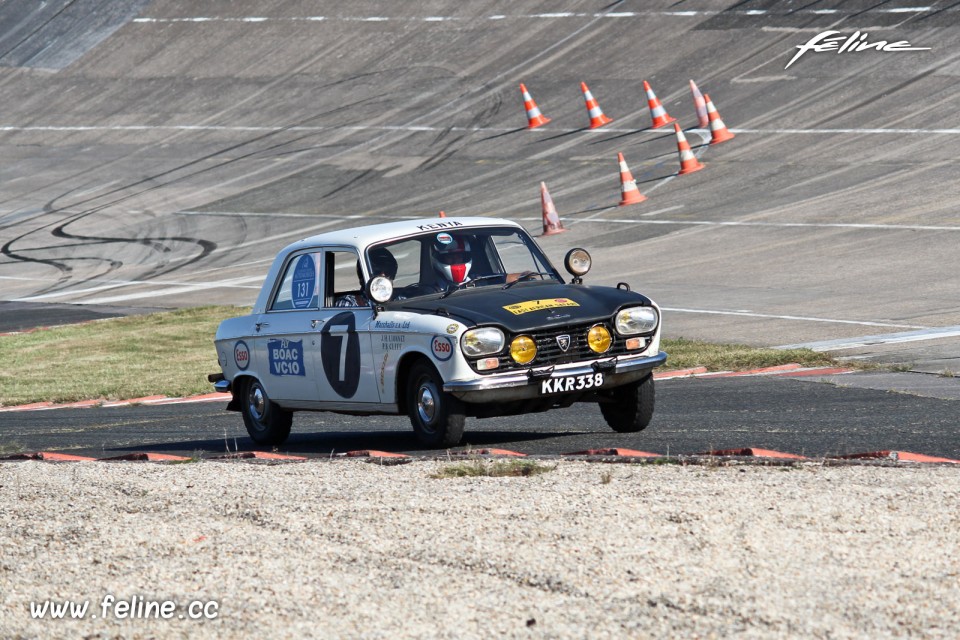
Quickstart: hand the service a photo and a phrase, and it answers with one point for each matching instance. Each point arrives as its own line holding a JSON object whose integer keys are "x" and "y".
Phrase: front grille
{"x": 549, "y": 351}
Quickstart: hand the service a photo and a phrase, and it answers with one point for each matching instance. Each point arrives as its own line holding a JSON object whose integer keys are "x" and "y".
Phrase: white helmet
{"x": 451, "y": 257}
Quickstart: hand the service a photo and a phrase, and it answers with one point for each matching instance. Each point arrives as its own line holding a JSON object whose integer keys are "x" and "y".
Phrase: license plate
{"x": 570, "y": 384}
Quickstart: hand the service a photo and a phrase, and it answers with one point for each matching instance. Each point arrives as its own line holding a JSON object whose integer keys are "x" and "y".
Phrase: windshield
{"x": 451, "y": 259}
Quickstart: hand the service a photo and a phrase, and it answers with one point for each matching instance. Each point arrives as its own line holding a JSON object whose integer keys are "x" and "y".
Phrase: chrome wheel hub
{"x": 426, "y": 404}
{"x": 257, "y": 402}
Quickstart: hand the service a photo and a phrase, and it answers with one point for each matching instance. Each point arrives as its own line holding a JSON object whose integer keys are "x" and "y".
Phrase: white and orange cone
{"x": 688, "y": 161}
{"x": 629, "y": 193}
{"x": 597, "y": 118}
{"x": 700, "y": 105}
{"x": 658, "y": 114}
{"x": 551, "y": 221}
{"x": 534, "y": 117}
{"x": 718, "y": 131}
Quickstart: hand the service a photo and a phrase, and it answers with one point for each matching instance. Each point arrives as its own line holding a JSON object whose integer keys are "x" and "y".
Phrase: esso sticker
{"x": 241, "y": 355}
{"x": 444, "y": 238}
{"x": 442, "y": 347}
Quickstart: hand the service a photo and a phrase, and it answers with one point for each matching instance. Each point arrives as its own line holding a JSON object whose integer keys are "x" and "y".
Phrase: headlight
{"x": 637, "y": 320}
{"x": 523, "y": 349}
{"x": 380, "y": 289}
{"x": 599, "y": 338}
{"x": 482, "y": 342}
{"x": 577, "y": 262}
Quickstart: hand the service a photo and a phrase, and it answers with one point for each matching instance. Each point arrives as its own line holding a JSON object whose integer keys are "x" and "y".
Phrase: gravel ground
{"x": 353, "y": 549}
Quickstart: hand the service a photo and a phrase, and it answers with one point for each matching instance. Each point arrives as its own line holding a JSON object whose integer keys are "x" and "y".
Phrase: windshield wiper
{"x": 464, "y": 285}
{"x": 526, "y": 274}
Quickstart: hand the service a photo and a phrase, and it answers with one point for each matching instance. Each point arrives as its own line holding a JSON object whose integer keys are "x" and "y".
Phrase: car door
{"x": 287, "y": 333}
{"x": 344, "y": 360}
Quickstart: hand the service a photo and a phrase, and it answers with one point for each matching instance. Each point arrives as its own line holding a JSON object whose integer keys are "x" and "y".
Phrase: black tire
{"x": 266, "y": 422}
{"x": 632, "y": 406}
{"x": 437, "y": 417}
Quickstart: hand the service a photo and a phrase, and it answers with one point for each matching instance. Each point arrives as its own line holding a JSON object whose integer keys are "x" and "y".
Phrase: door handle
{"x": 314, "y": 323}
{"x": 261, "y": 324}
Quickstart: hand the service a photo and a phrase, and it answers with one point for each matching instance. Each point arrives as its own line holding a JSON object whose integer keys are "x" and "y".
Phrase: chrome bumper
{"x": 518, "y": 385}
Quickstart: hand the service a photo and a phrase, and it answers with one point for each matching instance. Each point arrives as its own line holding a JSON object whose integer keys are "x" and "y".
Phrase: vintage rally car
{"x": 438, "y": 319}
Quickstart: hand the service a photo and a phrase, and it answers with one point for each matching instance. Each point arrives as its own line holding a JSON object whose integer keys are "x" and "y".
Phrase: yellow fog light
{"x": 599, "y": 338}
{"x": 523, "y": 349}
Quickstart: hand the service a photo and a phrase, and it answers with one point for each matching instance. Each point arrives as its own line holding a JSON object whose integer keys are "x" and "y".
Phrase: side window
{"x": 298, "y": 288}
{"x": 343, "y": 287}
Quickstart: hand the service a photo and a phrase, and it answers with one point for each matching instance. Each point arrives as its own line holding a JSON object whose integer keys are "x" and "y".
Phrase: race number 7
{"x": 343, "y": 332}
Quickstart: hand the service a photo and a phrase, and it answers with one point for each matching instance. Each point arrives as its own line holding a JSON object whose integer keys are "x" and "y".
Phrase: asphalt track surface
{"x": 158, "y": 154}
{"x": 813, "y": 418}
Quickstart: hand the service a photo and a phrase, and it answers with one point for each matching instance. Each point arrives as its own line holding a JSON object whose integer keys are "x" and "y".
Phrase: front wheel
{"x": 631, "y": 408}
{"x": 437, "y": 417}
{"x": 266, "y": 422}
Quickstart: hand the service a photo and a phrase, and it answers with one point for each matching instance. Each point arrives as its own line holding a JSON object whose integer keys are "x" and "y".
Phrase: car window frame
{"x": 282, "y": 276}
{"x": 359, "y": 254}
{"x": 487, "y": 232}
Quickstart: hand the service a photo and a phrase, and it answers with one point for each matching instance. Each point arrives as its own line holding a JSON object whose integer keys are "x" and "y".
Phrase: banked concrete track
{"x": 156, "y": 154}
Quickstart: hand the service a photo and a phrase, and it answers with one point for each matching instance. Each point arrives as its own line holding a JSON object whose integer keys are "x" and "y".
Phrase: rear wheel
{"x": 631, "y": 408}
{"x": 266, "y": 422}
{"x": 437, "y": 417}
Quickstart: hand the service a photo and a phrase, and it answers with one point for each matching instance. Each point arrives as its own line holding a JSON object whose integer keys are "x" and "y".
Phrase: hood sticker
{"x": 536, "y": 305}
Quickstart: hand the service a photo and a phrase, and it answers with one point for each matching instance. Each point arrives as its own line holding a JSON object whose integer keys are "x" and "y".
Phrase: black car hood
{"x": 525, "y": 306}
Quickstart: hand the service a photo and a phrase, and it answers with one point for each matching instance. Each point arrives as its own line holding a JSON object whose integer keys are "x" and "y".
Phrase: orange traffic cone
{"x": 442, "y": 215}
{"x": 659, "y": 115}
{"x": 700, "y": 105}
{"x": 551, "y": 221}
{"x": 718, "y": 130}
{"x": 629, "y": 193}
{"x": 597, "y": 119}
{"x": 688, "y": 161}
{"x": 534, "y": 117}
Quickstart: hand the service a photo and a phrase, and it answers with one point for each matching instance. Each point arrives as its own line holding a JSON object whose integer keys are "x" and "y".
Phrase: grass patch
{"x": 167, "y": 353}
{"x": 195, "y": 457}
{"x": 497, "y": 469}
{"x": 171, "y": 354}
{"x": 686, "y": 354}
{"x": 9, "y": 448}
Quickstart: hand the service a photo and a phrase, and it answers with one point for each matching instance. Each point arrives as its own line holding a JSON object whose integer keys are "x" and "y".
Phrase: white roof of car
{"x": 362, "y": 237}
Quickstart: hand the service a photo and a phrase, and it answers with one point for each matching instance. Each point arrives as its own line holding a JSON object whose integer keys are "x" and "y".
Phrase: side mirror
{"x": 577, "y": 263}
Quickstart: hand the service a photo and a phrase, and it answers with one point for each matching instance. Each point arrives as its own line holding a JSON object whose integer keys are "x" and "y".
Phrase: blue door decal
{"x": 286, "y": 357}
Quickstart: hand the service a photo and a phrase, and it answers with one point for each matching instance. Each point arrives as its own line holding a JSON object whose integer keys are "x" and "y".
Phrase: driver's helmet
{"x": 382, "y": 263}
{"x": 451, "y": 257}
